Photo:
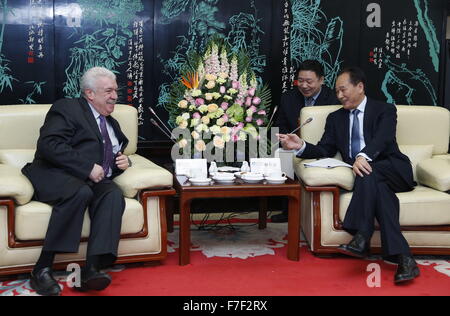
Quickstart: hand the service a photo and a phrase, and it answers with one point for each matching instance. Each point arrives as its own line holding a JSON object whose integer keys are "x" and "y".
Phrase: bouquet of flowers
{"x": 218, "y": 94}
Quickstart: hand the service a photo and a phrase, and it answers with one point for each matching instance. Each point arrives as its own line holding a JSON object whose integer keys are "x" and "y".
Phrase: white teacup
{"x": 224, "y": 176}
{"x": 251, "y": 176}
{"x": 276, "y": 175}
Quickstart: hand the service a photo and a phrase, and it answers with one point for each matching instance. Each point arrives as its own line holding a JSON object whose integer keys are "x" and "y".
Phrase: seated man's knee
{"x": 85, "y": 193}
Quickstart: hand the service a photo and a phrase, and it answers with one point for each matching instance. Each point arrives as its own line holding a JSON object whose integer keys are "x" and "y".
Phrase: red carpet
{"x": 265, "y": 275}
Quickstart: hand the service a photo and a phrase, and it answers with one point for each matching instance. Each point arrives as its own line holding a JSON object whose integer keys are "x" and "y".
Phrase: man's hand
{"x": 290, "y": 141}
{"x": 361, "y": 167}
{"x": 97, "y": 174}
{"x": 122, "y": 161}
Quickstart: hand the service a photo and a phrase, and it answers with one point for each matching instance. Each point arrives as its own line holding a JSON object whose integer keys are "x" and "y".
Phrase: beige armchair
{"x": 423, "y": 135}
{"x": 23, "y": 222}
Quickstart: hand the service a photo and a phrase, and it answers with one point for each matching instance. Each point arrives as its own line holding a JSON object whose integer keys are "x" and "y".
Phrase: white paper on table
{"x": 197, "y": 168}
{"x": 328, "y": 163}
{"x": 265, "y": 165}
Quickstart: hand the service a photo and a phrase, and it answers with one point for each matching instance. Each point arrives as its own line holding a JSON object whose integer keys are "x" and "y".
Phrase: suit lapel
{"x": 91, "y": 119}
{"x": 123, "y": 141}
{"x": 368, "y": 119}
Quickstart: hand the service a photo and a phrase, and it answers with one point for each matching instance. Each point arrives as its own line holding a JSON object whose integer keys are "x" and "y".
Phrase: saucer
{"x": 200, "y": 182}
{"x": 276, "y": 180}
{"x": 227, "y": 180}
{"x": 252, "y": 180}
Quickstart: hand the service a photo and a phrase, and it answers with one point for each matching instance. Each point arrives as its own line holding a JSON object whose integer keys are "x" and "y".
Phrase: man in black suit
{"x": 364, "y": 132}
{"x": 79, "y": 152}
{"x": 310, "y": 91}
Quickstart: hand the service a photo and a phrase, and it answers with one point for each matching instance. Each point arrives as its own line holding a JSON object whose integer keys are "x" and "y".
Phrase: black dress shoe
{"x": 280, "y": 218}
{"x": 407, "y": 270}
{"x": 44, "y": 284}
{"x": 358, "y": 247}
{"x": 93, "y": 280}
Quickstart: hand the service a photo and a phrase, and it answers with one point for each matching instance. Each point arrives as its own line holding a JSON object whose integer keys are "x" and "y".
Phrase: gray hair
{"x": 90, "y": 77}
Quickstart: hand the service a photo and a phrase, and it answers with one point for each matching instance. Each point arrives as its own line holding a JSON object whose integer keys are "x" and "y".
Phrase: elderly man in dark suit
{"x": 364, "y": 132}
{"x": 310, "y": 91}
{"x": 79, "y": 152}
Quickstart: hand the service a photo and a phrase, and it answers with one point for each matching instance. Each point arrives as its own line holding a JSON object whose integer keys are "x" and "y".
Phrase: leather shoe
{"x": 407, "y": 270}
{"x": 93, "y": 280}
{"x": 280, "y": 218}
{"x": 44, "y": 284}
{"x": 358, "y": 247}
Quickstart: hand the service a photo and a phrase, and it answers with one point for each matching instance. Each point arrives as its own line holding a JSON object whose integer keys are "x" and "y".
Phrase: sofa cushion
{"x": 127, "y": 116}
{"x": 32, "y": 220}
{"x": 342, "y": 176}
{"x": 435, "y": 173}
{"x": 424, "y": 125}
{"x": 143, "y": 174}
{"x": 15, "y": 185}
{"x": 421, "y": 207}
{"x": 17, "y": 157}
{"x": 417, "y": 153}
{"x": 20, "y": 124}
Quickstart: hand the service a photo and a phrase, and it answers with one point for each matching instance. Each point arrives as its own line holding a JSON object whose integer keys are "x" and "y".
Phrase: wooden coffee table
{"x": 188, "y": 192}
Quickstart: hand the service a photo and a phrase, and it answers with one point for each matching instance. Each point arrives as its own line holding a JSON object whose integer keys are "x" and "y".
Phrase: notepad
{"x": 328, "y": 163}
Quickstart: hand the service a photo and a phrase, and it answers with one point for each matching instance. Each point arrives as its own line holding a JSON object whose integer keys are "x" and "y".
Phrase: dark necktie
{"x": 356, "y": 134}
{"x": 108, "y": 156}
{"x": 309, "y": 101}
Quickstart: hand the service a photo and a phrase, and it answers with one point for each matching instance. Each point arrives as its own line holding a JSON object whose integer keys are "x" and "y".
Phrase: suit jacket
{"x": 70, "y": 142}
{"x": 380, "y": 125}
{"x": 293, "y": 101}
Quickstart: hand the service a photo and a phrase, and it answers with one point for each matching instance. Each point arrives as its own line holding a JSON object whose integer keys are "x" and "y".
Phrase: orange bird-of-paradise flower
{"x": 192, "y": 81}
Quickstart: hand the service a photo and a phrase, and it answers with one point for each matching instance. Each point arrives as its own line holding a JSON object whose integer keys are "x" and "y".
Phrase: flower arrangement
{"x": 218, "y": 94}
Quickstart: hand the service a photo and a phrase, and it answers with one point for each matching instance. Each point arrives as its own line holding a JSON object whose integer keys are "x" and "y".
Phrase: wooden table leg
{"x": 169, "y": 213}
{"x": 262, "y": 222}
{"x": 294, "y": 228}
{"x": 185, "y": 231}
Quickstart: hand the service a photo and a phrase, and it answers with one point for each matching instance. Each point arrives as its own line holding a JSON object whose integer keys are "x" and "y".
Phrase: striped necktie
{"x": 309, "y": 101}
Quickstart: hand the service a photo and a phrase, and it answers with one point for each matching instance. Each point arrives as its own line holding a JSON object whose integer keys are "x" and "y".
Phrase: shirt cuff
{"x": 301, "y": 150}
{"x": 365, "y": 156}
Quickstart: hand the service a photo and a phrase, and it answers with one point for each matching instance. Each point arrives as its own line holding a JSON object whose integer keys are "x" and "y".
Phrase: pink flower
{"x": 256, "y": 101}
{"x": 225, "y": 118}
{"x": 199, "y": 102}
{"x": 251, "y": 92}
{"x": 249, "y": 119}
{"x": 240, "y": 126}
{"x": 197, "y": 116}
{"x": 235, "y": 85}
{"x": 239, "y": 101}
{"x": 224, "y": 106}
{"x": 248, "y": 102}
{"x": 259, "y": 122}
{"x": 253, "y": 109}
{"x": 223, "y": 89}
{"x": 262, "y": 112}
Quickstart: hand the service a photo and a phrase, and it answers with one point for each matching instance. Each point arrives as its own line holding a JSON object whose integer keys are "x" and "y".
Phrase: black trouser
{"x": 106, "y": 205}
{"x": 374, "y": 198}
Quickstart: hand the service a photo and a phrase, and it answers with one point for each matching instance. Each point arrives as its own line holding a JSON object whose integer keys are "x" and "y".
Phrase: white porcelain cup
{"x": 224, "y": 176}
{"x": 276, "y": 175}
{"x": 251, "y": 176}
